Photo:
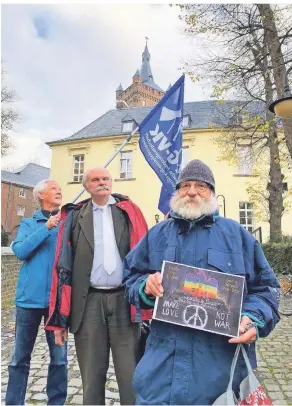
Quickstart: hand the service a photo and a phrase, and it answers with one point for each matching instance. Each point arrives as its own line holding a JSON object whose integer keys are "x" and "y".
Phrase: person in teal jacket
{"x": 35, "y": 245}
{"x": 181, "y": 365}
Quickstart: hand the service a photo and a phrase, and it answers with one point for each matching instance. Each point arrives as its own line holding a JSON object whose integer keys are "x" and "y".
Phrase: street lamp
{"x": 224, "y": 209}
{"x": 283, "y": 107}
{"x": 156, "y": 218}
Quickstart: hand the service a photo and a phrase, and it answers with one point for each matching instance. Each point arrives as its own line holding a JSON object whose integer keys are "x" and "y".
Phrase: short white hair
{"x": 85, "y": 175}
{"x": 40, "y": 187}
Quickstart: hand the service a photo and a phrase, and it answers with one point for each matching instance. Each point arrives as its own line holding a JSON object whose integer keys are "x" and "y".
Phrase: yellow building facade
{"x": 131, "y": 174}
{"x": 141, "y": 184}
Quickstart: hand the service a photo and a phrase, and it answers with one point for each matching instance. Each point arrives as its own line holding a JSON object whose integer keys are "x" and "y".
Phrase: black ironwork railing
{"x": 258, "y": 234}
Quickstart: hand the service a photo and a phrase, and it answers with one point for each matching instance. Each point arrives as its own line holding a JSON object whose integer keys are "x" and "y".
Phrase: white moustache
{"x": 195, "y": 199}
{"x": 102, "y": 188}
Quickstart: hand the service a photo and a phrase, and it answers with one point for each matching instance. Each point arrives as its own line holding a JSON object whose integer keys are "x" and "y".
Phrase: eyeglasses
{"x": 200, "y": 187}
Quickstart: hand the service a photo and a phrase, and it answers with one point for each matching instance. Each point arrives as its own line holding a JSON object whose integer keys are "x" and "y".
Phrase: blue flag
{"x": 161, "y": 140}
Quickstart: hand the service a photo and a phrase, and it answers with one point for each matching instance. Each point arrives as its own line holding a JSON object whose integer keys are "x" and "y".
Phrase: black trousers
{"x": 106, "y": 325}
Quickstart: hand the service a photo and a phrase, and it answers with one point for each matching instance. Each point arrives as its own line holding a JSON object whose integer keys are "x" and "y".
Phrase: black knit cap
{"x": 196, "y": 170}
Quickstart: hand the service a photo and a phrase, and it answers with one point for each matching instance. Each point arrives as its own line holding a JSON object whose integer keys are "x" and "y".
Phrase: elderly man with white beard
{"x": 184, "y": 366}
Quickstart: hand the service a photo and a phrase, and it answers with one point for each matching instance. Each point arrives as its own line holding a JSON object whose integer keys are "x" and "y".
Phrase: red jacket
{"x": 60, "y": 295}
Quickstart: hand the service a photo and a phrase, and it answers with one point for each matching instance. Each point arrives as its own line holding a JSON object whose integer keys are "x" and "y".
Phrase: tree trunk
{"x": 288, "y": 134}
{"x": 275, "y": 188}
{"x": 278, "y": 64}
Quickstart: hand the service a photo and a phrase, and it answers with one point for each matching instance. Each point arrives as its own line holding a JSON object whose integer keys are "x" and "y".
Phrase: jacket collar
{"x": 186, "y": 225}
{"x": 77, "y": 206}
{"x": 110, "y": 201}
{"x": 38, "y": 215}
{"x": 86, "y": 219}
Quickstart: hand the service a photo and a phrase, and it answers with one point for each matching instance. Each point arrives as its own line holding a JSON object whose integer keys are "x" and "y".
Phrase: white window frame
{"x": 245, "y": 160}
{"x": 127, "y": 127}
{"x": 20, "y": 211}
{"x": 185, "y": 157}
{"x": 186, "y": 121}
{"x": 246, "y": 216}
{"x": 126, "y": 159}
{"x": 22, "y": 192}
{"x": 78, "y": 160}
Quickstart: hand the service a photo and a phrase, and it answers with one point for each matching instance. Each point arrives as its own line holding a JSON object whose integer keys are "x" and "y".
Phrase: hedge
{"x": 279, "y": 256}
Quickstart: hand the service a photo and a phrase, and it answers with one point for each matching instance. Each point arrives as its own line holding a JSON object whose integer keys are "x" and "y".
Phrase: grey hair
{"x": 40, "y": 187}
{"x": 85, "y": 175}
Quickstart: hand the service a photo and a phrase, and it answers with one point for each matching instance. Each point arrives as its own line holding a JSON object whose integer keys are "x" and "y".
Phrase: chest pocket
{"x": 228, "y": 262}
{"x": 156, "y": 257}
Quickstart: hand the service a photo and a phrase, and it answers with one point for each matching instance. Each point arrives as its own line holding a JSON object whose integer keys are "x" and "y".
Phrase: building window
{"x": 186, "y": 121}
{"x": 126, "y": 165}
{"x": 78, "y": 168}
{"x": 185, "y": 158}
{"x": 245, "y": 160}
{"x": 22, "y": 192}
{"x": 127, "y": 126}
{"x": 20, "y": 210}
{"x": 246, "y": 216}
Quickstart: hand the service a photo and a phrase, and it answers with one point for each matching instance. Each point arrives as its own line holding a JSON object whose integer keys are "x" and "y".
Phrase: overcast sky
{"x": 66, "y": 61}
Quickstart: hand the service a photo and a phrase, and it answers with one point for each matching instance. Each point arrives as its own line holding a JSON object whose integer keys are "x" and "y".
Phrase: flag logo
{"x": 161, "y": 140}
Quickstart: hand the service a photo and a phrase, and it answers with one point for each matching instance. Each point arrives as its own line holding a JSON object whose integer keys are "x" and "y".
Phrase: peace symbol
{"x": 195, "y": 315}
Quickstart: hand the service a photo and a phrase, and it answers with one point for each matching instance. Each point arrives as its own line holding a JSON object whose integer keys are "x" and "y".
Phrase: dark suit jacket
{"x": 82, "y": 240}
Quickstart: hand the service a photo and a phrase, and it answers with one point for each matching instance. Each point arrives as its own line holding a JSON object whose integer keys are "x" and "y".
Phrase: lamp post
{"x": 224, "y": 208}
{"x": 283, "y": 107}
{"x": 156, "y": 218}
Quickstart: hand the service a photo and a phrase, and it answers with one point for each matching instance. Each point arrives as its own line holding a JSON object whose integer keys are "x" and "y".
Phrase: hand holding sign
{"x": 247, "y": 335}
{"x": 154, "y": 285}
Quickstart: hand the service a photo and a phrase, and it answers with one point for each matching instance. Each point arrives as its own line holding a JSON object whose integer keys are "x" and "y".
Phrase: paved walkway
{"x": 274, "y": 364}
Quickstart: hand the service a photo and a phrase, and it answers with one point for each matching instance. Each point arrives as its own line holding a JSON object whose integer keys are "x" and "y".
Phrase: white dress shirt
{"x": 107, "y": 270}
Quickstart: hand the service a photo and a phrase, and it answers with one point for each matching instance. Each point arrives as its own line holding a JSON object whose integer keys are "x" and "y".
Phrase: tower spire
{"x": 146, "y": 73}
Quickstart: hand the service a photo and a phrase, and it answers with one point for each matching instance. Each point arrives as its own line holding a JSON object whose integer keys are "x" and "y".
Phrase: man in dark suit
{"x": 101, "y": 236}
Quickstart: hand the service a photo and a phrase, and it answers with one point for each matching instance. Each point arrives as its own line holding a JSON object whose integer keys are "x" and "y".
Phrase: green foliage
{"x": 279, "y": 256}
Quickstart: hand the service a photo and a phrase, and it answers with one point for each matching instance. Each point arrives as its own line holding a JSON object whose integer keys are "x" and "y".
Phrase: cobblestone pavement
{"x": 274, "y": 364}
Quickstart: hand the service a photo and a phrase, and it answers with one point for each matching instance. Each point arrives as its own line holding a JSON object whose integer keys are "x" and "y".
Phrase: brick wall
{"x": 10, "y": 267}
{"x": 137, "y": 94}
{"x": 10, "y": 199}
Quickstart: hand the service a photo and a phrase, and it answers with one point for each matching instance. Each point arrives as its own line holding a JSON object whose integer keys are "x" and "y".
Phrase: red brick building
{"x": 17, "y": 199}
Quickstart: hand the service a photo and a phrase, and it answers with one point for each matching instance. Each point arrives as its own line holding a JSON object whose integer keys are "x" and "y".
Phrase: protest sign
{"x": 200, "y": 298}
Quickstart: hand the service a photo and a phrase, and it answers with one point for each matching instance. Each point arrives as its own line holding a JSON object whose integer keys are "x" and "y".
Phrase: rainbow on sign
{"x": 197, "y": 284}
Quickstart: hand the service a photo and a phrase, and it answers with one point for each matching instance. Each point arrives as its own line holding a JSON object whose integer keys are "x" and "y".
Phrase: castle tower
{"x": 137, "y": 77}
{"x": 143, "y": 91}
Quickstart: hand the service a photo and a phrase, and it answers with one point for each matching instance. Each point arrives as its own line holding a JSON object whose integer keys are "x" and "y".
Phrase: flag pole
{"x": 110, "y": 159}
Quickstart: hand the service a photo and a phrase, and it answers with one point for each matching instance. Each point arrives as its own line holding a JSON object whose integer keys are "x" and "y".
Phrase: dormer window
{"x": 127, "y": 126}
{"x": 186, "y": 121}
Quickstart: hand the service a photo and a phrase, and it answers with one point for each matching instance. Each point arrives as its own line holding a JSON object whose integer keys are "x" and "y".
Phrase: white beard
{"x": 193, "y": 208}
